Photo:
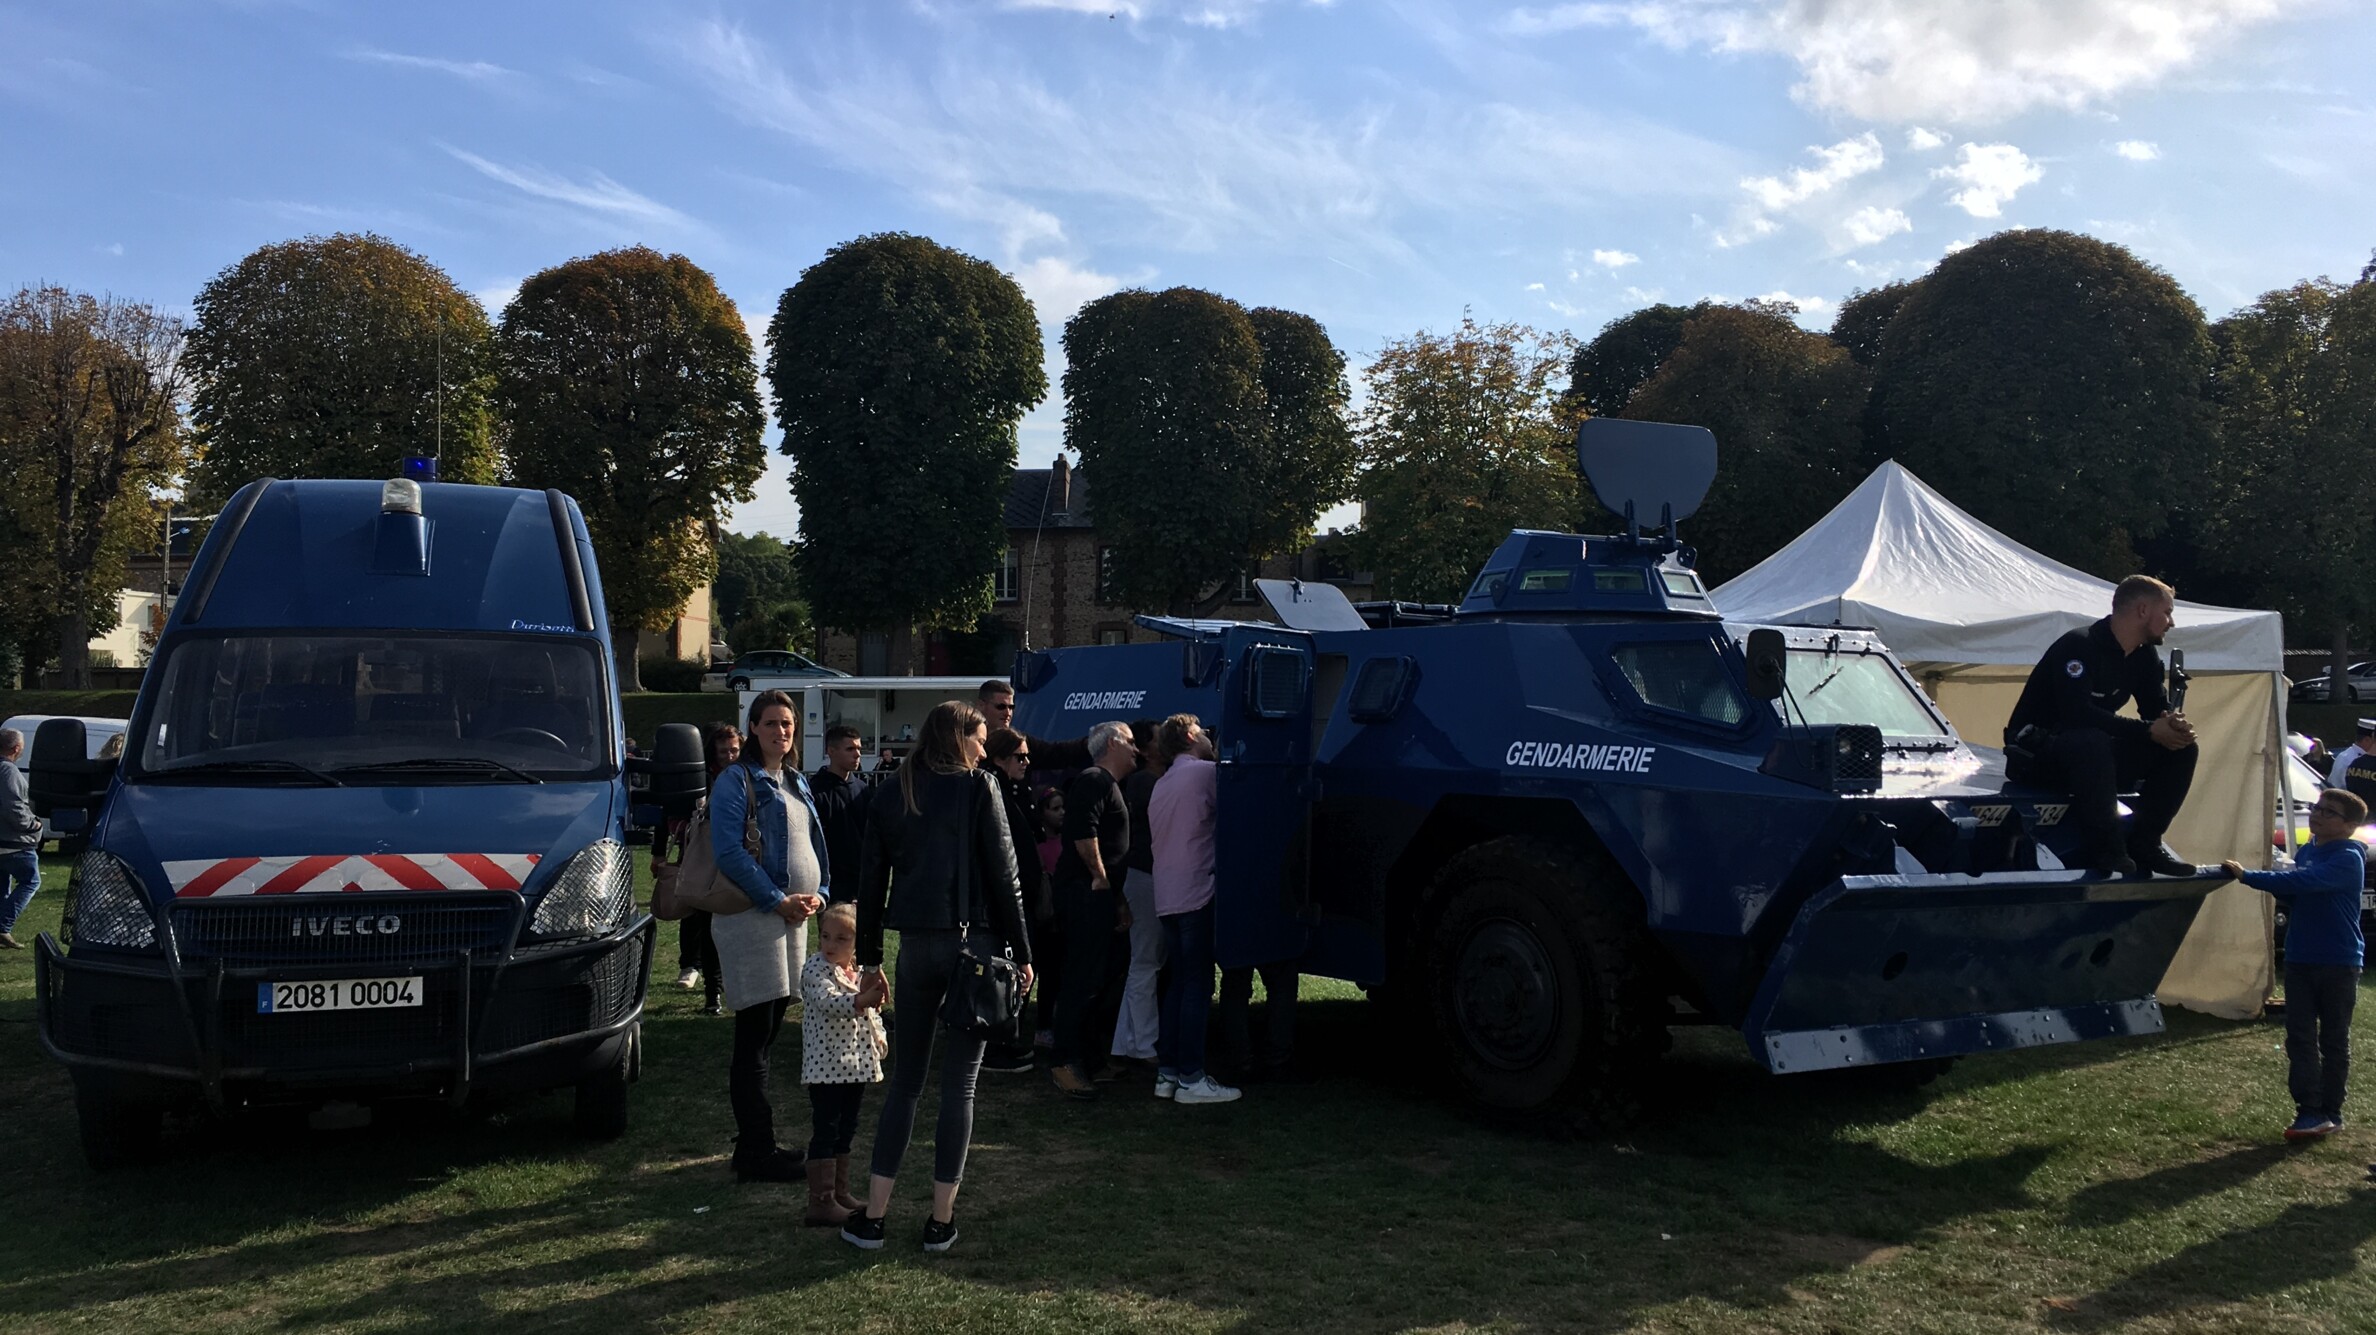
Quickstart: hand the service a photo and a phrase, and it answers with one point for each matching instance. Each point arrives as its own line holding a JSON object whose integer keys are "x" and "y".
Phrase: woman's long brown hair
{"x": 937, "y": 746}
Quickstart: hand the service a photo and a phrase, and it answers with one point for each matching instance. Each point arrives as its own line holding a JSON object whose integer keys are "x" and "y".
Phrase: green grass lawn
{"x": 2132, "y": 1186}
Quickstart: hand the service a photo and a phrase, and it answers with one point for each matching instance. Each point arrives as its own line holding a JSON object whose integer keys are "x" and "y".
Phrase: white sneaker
{"x": 1166, "y": 1085}
{"x": 690, "y": 978}
{"x": 1205, "y": 1089}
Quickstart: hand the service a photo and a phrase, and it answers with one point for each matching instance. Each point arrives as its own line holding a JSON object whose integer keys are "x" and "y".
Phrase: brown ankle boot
{"x": 823, "y": 1211}
{"x": 841, "y": 1184}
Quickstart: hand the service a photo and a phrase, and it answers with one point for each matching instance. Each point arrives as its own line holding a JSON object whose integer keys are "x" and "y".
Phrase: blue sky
{"x": 1382, "y": 166}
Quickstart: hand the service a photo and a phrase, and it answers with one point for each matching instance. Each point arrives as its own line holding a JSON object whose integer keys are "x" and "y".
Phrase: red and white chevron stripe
{"x": 333, "y": 873}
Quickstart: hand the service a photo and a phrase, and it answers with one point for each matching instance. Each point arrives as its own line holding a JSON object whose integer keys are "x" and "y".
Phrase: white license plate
{"x": 337, "y": 994}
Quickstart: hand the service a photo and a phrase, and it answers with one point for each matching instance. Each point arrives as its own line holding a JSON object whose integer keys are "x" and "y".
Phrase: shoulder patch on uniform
{"x": 2074, "y": 668}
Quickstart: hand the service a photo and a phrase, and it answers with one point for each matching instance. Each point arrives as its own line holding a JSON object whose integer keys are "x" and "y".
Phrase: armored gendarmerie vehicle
{"x": 1581, "y": 807}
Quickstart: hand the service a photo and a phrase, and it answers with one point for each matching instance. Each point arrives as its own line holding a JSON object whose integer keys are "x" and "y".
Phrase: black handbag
{"x": 985, "y": 995}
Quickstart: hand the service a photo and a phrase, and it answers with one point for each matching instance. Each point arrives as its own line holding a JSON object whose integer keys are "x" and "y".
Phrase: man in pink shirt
{"x": 1181, "y": 815}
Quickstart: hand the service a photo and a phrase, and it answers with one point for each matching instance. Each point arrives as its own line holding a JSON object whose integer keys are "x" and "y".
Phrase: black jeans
{"x": 694, "y": 950}
{"x": 2318, "y": 1002}
{"x": 1088, "y": 916}
{"x": 755, "y": 1030}
{"x": 2094, "y": 766}
{"x": 1233, "y": 1030}
{"x": 927, "y": 962}
{"x": 833, "y": 1119}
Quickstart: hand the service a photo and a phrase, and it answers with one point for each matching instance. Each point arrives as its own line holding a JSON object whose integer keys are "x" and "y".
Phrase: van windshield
{"x": 1857, "y": 687}
{"x": 376, "y": 708}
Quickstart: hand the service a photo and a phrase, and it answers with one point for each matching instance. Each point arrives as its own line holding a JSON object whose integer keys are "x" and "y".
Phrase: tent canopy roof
{"x": 1942, "y": 587}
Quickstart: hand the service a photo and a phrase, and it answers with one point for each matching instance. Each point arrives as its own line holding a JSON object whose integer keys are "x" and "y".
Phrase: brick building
{"x": 1048, "y": 591}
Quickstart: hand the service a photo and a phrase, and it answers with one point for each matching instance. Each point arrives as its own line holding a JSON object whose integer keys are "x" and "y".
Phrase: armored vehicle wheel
{"x": 601, "y": 1112}
{"x": 116, "y": 1130}
{"x": 1539, "y": 968}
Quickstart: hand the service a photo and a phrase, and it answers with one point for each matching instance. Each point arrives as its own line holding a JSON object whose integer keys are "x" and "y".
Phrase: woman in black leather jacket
{"x": 938, "y": 848}
{"x": 1010, "y": 758}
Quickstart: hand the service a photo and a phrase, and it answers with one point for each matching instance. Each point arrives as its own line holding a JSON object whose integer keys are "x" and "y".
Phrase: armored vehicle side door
{"x": 1265, "y": 796}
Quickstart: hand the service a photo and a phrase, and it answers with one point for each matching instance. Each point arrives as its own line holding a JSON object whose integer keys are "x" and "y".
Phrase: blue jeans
{"x": 1188, "y": 993}
{"x": 20, "y": 876}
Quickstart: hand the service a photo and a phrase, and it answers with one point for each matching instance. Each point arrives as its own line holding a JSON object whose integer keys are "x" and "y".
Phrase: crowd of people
{"x": 1097, "y": 884}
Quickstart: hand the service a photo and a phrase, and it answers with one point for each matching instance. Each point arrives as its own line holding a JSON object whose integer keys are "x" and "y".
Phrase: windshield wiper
{"x": 288, "y": 767}
{"x": 474, "y": 764}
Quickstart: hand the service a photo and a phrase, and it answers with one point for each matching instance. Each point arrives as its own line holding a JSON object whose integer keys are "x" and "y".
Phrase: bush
{"x": 671, "y": 674}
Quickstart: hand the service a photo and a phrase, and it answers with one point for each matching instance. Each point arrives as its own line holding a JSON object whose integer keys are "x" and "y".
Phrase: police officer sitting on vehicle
{"x": 2066, "y": 732}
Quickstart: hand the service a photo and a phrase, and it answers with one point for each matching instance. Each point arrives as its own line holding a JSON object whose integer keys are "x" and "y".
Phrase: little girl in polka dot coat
{"x": 841, "y": 1053}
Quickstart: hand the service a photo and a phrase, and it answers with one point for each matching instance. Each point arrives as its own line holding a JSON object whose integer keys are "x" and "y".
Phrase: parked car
{"x": 2359, "y": 679}
{"x": 759, "y": 670}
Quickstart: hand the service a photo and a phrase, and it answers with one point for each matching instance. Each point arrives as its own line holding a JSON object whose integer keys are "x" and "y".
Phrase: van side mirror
{"x": 1766, "y": 663}
{"x": 677, "y": 769}
{"x": 60, "y": 774}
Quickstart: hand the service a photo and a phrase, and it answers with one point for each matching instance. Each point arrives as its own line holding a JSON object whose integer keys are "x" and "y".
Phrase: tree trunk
{"x": 74, "y": 651}
{"x": 627, "y": 647}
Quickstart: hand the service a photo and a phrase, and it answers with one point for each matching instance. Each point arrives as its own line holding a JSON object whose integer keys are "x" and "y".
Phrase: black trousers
{"x": 755, "y": 1030}
{"x": 833, "y": 1118}
{"x": 1089, "y": 917}
{"x": 2094, "y": 766}
{"x": 927, "y": 965}
{"x": 2318, "y": 1002}
{"x": 1234, "y": 1037}
{"x": 694, "y": 948}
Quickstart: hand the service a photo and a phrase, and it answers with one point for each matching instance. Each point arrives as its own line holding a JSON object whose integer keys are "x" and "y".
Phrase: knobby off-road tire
{"x": 601, "y": 1112}
{"x": 118, "y": 1131}
{"x": 1541, "y": 973}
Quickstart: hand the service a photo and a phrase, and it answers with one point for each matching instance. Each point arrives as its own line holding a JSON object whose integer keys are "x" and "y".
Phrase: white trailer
{"x": 888, "y": 712}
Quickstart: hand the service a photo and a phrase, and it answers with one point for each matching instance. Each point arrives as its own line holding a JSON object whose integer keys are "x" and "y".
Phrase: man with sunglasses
{"x": 2323, "y": 950}
{"x": 996, "y": 700}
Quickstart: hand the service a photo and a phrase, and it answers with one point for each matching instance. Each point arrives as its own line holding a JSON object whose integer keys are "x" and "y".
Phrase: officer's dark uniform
{"x": 2082, "y": 746}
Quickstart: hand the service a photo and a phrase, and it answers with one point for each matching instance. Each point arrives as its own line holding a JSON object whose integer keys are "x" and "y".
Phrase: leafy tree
{"x": 757, "y": 594}
{"x": 1604, "y": 373}
{"x": 1216, "y": 436}
{"x": 900, "y": 369}
{"x": 90, "y": 426}
{"x": 2296, "y": 395}
{"x": 1865, "y": 316}
{"x": 1311, "y": 456}
{"x": 626, "y": 380}
{"x": 323, "y": 358}
{"x": 2053, "y": 385}
{"x": 1786, "y": 407}
{"x": 1462, "y": 440}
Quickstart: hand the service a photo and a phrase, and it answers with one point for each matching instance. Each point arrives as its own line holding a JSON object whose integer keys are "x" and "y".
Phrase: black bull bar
{"x": 484, "y": 1011}
{"x": 1882, "y": 969}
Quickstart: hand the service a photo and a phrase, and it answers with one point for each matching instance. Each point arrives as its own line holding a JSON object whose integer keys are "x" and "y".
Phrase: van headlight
{"x": 592, "y": 895}
{"x": 106, "y": 905}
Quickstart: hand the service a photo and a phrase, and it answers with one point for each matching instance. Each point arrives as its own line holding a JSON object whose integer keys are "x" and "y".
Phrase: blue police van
{"x": 367, "y": 839}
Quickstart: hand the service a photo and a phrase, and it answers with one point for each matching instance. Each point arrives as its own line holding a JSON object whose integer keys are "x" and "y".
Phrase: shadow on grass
{"x": 2302, "y": 1245}
{"x": 2124, "y": 1199}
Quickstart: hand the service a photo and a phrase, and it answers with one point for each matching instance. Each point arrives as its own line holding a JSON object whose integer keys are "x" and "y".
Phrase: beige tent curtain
{"x": 2224, "y": 968}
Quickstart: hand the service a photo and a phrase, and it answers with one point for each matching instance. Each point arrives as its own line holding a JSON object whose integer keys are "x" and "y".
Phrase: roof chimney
{"x": 1060, "y": 487}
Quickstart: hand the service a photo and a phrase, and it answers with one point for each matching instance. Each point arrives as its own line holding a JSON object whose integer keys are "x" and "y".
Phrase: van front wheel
{"x": 602, "y": 1096}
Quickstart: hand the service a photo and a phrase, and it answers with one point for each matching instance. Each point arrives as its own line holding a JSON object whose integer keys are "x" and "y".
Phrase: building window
{"x": 1007, "y": 585}
{"x": 1113, "y": 634}
{"x": 1105, "y": 574}
{"x": 874, "y": 653}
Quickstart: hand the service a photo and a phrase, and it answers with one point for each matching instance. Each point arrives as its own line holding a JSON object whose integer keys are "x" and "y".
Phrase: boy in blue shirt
{"x": 2322, "y": 958}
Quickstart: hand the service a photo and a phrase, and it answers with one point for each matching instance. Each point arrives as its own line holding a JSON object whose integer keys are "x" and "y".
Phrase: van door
{"x": 1266, "y": 797}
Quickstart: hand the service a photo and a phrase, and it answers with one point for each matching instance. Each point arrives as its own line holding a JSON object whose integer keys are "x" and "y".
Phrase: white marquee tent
{"x": 1969, "y": 610}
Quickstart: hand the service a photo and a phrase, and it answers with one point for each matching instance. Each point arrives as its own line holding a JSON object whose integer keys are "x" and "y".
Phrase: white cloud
{"x": 2137, "y": 150}
{"x": 495, "y": 296}
{"x": 601, "y": 195}
{"x": 1923, "y": 141}
{"x": 1750, "y": 230}
{"x": 1966, "y": 244}
{"x": 1964, "y": 61}
{"x": 1842, "y": 161}
{"x": 1534, "y": 287}
{"x": 1058, "y": 288}
{"x": 1808, "y": 306}
{"x": 1871, "y": 225}
{"x": 1198, "y": 13}
{"x": 115, "y": 248}
{"x": 1645, "y": 295}
{"x": 476, "y": 70}
{"x": 1615, "y": 259}
{"x": 1990, "y": 174}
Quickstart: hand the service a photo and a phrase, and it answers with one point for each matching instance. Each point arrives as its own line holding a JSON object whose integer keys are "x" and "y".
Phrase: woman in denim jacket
{"x": 761, "y": 949}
